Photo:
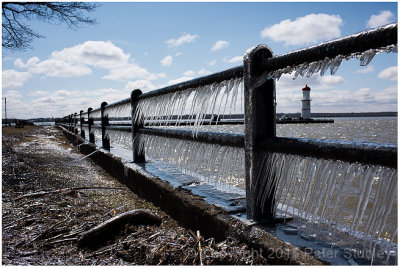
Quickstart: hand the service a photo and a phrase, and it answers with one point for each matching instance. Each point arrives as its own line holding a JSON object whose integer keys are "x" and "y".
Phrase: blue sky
{"x": 151, "y": 45}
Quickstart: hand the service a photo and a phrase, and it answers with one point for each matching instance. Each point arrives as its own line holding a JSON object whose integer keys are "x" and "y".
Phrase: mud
{"x": 50, "y": 196}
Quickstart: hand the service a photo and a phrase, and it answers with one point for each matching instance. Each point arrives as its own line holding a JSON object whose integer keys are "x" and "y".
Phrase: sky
{"x": 152, "y": 45}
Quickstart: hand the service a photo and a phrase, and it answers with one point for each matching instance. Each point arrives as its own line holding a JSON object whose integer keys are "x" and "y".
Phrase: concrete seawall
{"x": 192, "y": 211}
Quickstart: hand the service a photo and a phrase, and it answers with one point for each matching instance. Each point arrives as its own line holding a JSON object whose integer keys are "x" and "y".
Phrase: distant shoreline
{"x": 372, "y": 114}
{"x": 293, "y": 115}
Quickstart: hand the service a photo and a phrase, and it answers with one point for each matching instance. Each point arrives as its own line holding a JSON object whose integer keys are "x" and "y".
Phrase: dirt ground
{"x": 50, "y": 196}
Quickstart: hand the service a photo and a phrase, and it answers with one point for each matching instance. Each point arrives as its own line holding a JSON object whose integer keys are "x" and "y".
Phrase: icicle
{"x": 97, "y": 133}
{"x": 202, "y": 104}
{"x": 222, "y": 166}
{"x": 121, "y": 138}
{"x": 309, "y": 68}
{"x": 367, "y": 56}
{"x": 95, "y": 114}
{"x": 323, "y": 192}
{"x": 119, "y": 111}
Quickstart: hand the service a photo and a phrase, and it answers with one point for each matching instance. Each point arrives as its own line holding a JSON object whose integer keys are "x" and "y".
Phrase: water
{"x": 357, "y": 129}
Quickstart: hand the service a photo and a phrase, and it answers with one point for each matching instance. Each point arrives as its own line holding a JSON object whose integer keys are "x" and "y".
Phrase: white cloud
{"x": 13, "y": 95}
{"x": 129, "y": 71}
{"x": 220, "y": 45}
{"x": 39, "y": 93}
{"x": 389, "y": 73}
{"x": 368, "y": 69}
{"x": 179, "y": 80}
{"x": 212, "y": 63}
{"x": 184, "y": 38}
{"x": 178, "y": 54}
{"x": 167, "y": 60}
{"x": 143, "y": 85}
{"x": 304, "y": 30}
{"x": 384, "y": 17}
{"x": 77, "y": 60}
{"x": 53, "y": 67}
{"x": 189, "y": 73}
{"x": 162, "y": 75}
{"x": 286, "y": 82}
{"x": 93, "y": 53}
{"x": 13, "y": 78}
{"x": 234, "y": 59}
{"x": 203, "y": 72}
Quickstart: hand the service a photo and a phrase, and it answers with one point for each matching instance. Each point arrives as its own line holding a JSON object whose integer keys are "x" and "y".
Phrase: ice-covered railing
{"x": 198, "y": 101}
{"x": 329, "y": 55}
{"x": 269, "y": 169}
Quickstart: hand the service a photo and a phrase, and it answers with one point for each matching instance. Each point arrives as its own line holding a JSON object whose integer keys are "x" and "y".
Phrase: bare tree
{"x": 17, "y": 35}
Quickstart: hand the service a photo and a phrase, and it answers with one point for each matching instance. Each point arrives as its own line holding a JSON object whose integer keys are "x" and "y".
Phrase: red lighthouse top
{"x": 306, "y": 88}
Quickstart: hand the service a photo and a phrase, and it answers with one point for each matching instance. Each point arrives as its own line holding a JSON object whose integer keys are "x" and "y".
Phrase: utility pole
{"x": 5, "y": 109}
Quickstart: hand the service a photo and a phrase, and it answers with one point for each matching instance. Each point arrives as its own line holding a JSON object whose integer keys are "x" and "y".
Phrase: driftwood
{"x": 106, "y": 230}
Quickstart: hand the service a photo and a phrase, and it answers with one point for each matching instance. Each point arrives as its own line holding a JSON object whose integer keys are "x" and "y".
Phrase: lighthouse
{"x": 306, "y": 103}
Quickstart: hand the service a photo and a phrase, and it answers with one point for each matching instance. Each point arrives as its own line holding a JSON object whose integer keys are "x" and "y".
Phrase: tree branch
{"x": 17, "y": 15}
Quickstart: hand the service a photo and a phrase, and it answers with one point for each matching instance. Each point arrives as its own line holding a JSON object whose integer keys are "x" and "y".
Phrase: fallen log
{"x": 106, "y": 230}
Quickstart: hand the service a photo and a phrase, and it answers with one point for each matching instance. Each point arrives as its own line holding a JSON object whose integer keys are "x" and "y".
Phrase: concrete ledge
{"x": 192, "y": 211}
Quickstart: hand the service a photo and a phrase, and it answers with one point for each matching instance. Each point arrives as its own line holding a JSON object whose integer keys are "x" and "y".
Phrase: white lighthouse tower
{"x": 306, "y": 103}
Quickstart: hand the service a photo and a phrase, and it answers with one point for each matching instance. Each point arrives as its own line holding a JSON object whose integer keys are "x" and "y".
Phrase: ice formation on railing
{"x": 97, "y": 134}
{"x": 335, "y": 199}
{"x": 215, "y": 99}
{"x": 95, "y": 114}
{"x": 122, "y": 138}
{"x": 221, "y": 166}
{"x": 118, "y": 111}
{"x": 332, "y": 64}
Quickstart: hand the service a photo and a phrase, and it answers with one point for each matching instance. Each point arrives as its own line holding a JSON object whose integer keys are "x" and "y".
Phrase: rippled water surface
{"x": 359, "y": 129}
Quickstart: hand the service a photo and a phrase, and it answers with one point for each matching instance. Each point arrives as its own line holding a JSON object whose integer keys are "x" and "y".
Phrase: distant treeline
{"x": 43, "y": 119}
{"x": 372, "y": 114}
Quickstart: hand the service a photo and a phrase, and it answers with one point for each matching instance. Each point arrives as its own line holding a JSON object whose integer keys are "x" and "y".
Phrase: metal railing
{"x": 258, "y": 71}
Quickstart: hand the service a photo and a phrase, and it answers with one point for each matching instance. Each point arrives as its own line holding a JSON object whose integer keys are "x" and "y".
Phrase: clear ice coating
{"x": 221, "y": 166}
{"x": 121, "y": 138}
{"x": 339, "y": 201}
{"x": 118, "y": 111}
{"x": 215, "y": 99}
{"x": 332, "y": 64}
{"x": 97, "y": 133}
{"x": 96, "y": 114}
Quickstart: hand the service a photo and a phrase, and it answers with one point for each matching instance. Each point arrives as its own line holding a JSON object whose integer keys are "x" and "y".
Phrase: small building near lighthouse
{"x": 306, "y": 103}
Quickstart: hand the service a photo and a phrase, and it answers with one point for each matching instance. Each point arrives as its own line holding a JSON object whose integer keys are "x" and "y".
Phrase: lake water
{"x": 358, "y": 129}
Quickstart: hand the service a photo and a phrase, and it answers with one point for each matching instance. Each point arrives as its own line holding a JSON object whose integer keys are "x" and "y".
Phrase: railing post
{"x": 90, "y": 123}
{"x": 75, "y": 121}
{"x": 70, "y": 122}
{"x": 259, "y": 124}
{"x": 105, "y": 140}
{"x": 138, "y": 156}
{"x": 81, "y": 123}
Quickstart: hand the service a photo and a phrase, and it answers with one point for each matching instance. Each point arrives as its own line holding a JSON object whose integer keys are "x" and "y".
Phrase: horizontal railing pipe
{"x": 356, "y": 43}
{"x": 365, "y": 153}
{"x": 201, "y": 81}
{"x": 118, "y": 103}
{"x": 119, "y": 128}
{"x": 225, "y": 139}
